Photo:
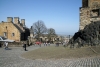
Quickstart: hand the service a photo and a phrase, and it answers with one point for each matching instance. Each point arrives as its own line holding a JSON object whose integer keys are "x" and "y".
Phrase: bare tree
{"x": 39, "y": 28}
{"x": 51, "y": 33}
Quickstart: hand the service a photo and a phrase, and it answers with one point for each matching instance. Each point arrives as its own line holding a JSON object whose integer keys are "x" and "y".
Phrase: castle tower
{"x": 16, "y": 20}
{"x": 23, "y": 22}
{"x": 9, "y": 19}
{"x": 89, "y": 12}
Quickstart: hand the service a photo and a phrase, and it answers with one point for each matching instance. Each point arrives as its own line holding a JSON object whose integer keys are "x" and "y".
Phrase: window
{"x": 94, "y": 13}
{"x": 57, "y": 39}
{"x": 5, "y": 34}
{"x": 13, "y": 34}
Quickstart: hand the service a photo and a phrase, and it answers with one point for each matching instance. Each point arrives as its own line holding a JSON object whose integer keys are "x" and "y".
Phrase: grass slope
{"x": 60, "y": 52}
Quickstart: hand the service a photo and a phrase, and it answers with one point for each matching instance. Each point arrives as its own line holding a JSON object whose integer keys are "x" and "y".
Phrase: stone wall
{"x": 89, "y": 13}
{"x": 94, "y": 3}
{"x": 14, "y": 44}
{"x": 84, "y": 17}
{"x": 17, "y": 44}
{"x": 11, "y": 31}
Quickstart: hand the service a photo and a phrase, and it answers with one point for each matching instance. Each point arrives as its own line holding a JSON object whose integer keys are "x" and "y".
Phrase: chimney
{"x": 9, "y": 19}
{"x": 23, "y": 22}
{"x": 16, "y": 20}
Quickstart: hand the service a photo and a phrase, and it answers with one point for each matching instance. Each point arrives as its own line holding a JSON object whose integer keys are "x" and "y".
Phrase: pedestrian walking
{"x": 6, "y": 45}
{"x": 25, "y": 47}
{"x": 46, "y": 43}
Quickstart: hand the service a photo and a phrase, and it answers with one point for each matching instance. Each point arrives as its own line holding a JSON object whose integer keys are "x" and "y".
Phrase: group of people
{"x": 6, "y": 46}
{"x": 24, "y": 45}
{"x": 46, "y": 44}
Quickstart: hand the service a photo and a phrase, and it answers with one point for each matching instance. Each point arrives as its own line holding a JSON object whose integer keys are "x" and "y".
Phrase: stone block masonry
{"x": 89, "y": 12}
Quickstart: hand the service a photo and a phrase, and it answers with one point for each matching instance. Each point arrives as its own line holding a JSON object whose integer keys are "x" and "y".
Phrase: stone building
{"x": 31, "y": 38}
{"x": 89, "y": 12}
{"x": 43, "y": 38}
{"x": 14, "y": 30}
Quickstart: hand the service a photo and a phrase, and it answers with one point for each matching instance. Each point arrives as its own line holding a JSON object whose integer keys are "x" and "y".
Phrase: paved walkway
{"x": 12, "y": 58}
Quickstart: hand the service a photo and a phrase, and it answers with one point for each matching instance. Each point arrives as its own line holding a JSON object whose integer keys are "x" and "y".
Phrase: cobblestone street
{"x": 12, "y": 58}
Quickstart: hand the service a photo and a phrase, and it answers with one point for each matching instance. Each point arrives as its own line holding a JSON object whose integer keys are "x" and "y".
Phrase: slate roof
{"x": 21, "y": 31}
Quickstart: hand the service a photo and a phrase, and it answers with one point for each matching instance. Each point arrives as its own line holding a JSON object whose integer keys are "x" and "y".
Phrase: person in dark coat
{"x": 25, "y": 47}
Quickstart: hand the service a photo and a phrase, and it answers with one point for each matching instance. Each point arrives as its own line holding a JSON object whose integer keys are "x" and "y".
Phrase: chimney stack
{"x": 16, "y": 20}
{"x": 9, "y": 19}
{"x": 23, "y": 22}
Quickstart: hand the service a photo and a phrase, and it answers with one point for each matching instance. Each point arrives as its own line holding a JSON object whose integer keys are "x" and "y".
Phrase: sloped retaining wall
{"x": 13, "y": 44}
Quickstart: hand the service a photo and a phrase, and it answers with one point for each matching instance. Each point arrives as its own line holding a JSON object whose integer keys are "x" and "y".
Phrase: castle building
{"x": 89, "y": 12}
{"x": 14, "y": 30}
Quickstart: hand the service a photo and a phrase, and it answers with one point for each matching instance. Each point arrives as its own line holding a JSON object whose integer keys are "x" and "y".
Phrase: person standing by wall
{"x": 6, "y": 45}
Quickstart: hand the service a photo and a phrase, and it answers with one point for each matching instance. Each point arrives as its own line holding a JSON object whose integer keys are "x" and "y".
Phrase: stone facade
{"x": 89, "y": 12}
{"x": 14, "y": 30}
{"x": 31, "y": 38}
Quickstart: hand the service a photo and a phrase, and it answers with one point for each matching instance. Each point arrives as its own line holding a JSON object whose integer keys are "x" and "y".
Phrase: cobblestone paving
{"x": 12, "y": 58}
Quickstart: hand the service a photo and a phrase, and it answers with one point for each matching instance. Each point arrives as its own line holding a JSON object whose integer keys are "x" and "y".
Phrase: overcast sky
{"x": 62, "y": 15}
